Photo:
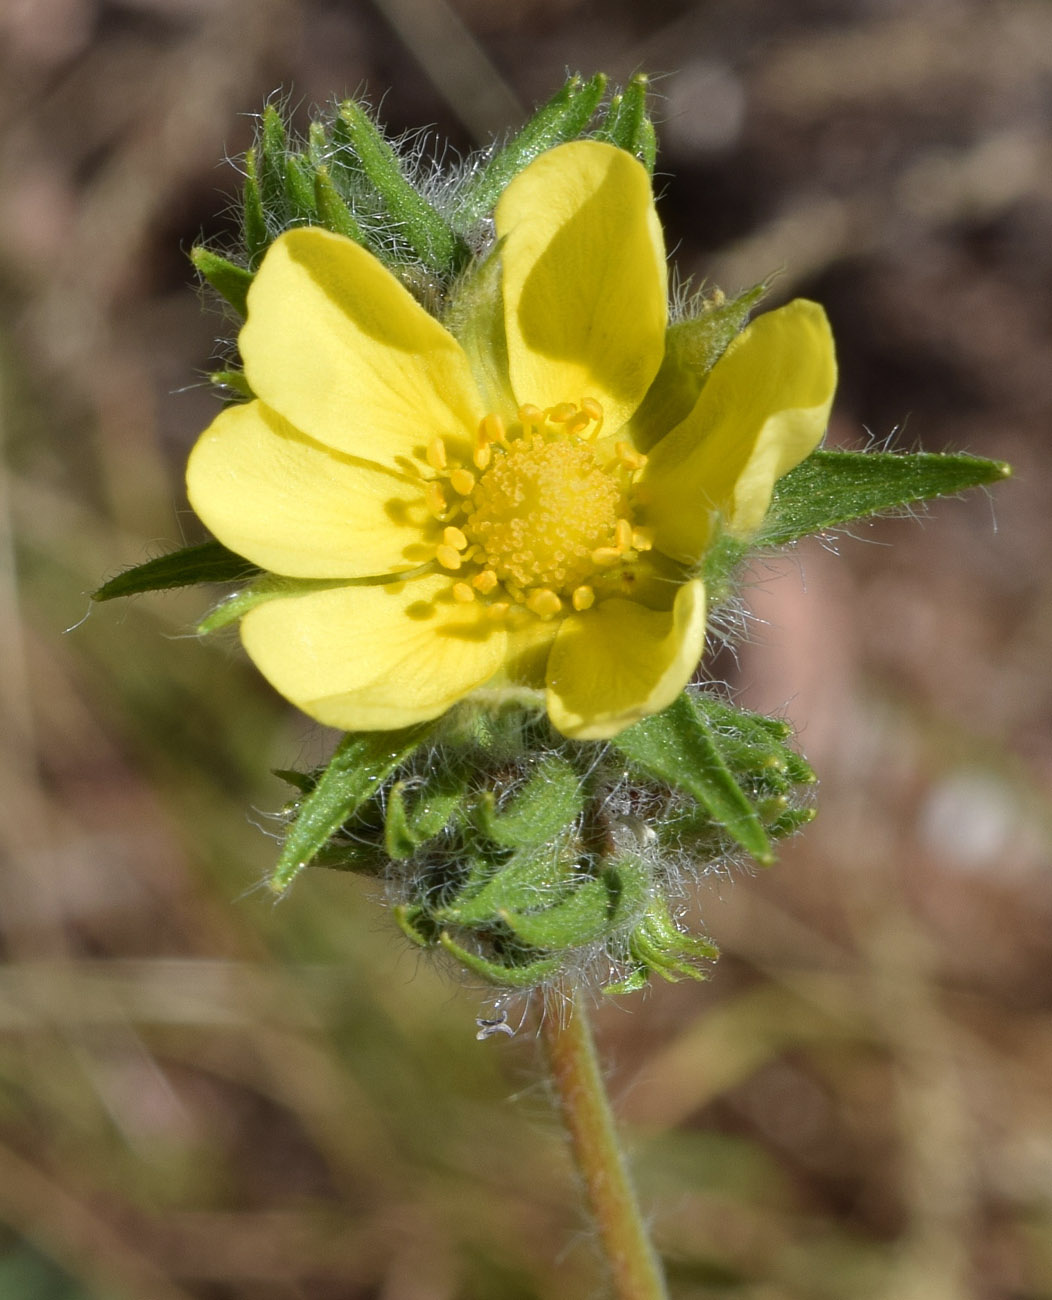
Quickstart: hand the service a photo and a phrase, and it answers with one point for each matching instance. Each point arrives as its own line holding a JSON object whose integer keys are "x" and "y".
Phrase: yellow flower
{"x": 484, "y": 510}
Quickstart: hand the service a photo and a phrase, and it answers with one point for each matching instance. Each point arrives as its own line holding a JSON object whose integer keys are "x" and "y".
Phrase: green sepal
{"x": 228, "y": 279}
{"x": 661, "y": 948}
{"x": 831, "y": 488}
{"x": 524, "y": 975}
{"x": 545, "y": 804}
{"x": 692, "y": 348}
{"x": 626, "y": 123}
{"x": 299, "y": 188}
{"x": 235, "y": 381}
{"x": 527, "y": 880}
{"x": 273, "y": 147}
{"x": 562, "y": 118}
{"x": 678, "y": 747}
{"x": 408, "y": 825}
{"x": 595, "y": 909}
{"x": 423, "y": 229}
{"x": 333, "y": 212}
{"x": 254, "y": 230}
{"x": 269, "y": 586}
{"x": 353, "y": 775}
{"x": 206, "y": 562}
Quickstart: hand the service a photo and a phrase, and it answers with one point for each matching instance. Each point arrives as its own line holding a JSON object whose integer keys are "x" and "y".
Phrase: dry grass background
{"x": 205, "y": 1095}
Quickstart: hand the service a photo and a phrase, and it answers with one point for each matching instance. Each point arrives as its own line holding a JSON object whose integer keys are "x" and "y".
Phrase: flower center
{"x": 542, "y": 518}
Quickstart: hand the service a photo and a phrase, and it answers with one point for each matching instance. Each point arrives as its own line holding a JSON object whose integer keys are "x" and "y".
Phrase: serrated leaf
{"x": 831, "y": 488}
{"x": 207, "y": 562}
{"x": 677, "y": 747}
{"x": 354, "y": 773}
{"x": 562, "y": 118}
{"x": 228, "y": 279}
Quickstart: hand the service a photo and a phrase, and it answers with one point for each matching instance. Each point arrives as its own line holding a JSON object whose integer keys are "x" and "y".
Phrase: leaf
{"x": 678, "y": 747}
{"x": 207, "y": 562}
{"x": 627, "y": 125}
{"x": 354, "y": 774}
{"x": 562, "y": 118}
{"x": 831, "y": 488}
{"x": 543, "y": 806}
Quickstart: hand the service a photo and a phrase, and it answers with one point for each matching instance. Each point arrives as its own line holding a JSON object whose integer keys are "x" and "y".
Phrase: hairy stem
{"x": 586, "y": 1112}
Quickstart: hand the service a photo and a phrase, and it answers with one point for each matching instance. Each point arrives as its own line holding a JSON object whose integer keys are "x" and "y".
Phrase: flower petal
{"x": 298, "y": 508}
{"x": 584, "y": 279}
{"x": 620, "y": 662}
{"x": 763, "y": 409}
{"x": 339, "y": 348}
{"x": 372, "y": 658}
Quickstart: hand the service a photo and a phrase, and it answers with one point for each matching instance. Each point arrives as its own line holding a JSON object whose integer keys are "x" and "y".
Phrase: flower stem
{"x": 586, "y": 1113}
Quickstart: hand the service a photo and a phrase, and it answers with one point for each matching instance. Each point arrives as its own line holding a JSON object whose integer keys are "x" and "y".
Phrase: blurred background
{"x": 208, "y": 1096}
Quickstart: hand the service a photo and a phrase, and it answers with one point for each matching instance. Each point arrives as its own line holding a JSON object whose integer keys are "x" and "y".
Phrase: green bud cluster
{"x": 525, "y": 855}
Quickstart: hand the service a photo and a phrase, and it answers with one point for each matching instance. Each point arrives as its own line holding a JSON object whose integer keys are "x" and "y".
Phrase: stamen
{"x": 463, "y": 593}
{"x": 623, "y": 533}
{"x": 492, "y": 429}
{"x": 543, "y": 602}
{"x": 436, "y": 454}
{"x": 484, "y": 581}
{"x": 455, "y": 538}
{"x": 583, "y": 598}
{"x": 562, "y": 413}
{"x": 594, "y": 411}
{"x": 497, "y": 610}
{"x": 435, "y": 500}
{"x": 447, "y": 557}
{"x": 643, "y": 539}
{"x": 628, "y": 456}
{"x": 605, "y": 556}
{"x": 482, "y": 456}
{"x": 532, "y": 417}
{"x": 463, "y": 481}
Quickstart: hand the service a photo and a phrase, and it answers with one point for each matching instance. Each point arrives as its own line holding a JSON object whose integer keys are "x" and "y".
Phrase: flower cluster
{"x": 491, "y": 504}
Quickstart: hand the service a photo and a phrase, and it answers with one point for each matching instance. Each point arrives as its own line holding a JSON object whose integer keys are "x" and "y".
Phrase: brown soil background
{"x": 205, "y": 1095}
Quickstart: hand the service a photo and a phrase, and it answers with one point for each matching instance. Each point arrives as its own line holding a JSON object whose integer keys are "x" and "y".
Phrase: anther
{"x": 492, "y": 429}
{"x": 455, "y": 538}
{"x": 583, "y": 598}
{"x": 482, "y": 456}
{"x": 532, "y": 417}
{"x": 563, "y": 413}
{"x": 497, "y": 610}
{"x": 643, "y": 539}
{"x": 623, "y": 533}
{"x": 484, "y": 581}
{"x": 435, "y": 500}
{"x": 605, "y": 556}
{"x": 628, "y": 456}
{"x": 543, "y": 602}
{"x": 463, "y": 481}
{"x": 447, "y": 557}
{"x": 462, "y": 593}
{"x": 436, "y": 454}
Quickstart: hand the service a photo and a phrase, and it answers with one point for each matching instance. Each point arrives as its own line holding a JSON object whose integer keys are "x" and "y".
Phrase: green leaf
{"x": 528, "y": 881}
{"x": 424, "y": 230}
{"x": 354, "y": 774}
{"x": 228, "y": 279}
{"x": 563, "y": 118}
{"x": 678, "y": 747}
{"x": 273, "y": 147}
{"x": 299, "y": 188}
{"x": 208, "y": 562}
{"x": 511, "y": 974}
{"x": 831, "y": 488}
{"x": 410, "y": 823}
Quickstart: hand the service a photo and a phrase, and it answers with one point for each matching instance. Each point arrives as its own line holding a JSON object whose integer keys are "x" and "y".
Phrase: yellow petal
{"x": 298, "y": 508}
{"x": 340, "y": 349}
{"x": 584, "y": 279}
{"x": 619, "y": 662}
{"x": 763, "y": 408}
{"x": 372, "y": 658}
